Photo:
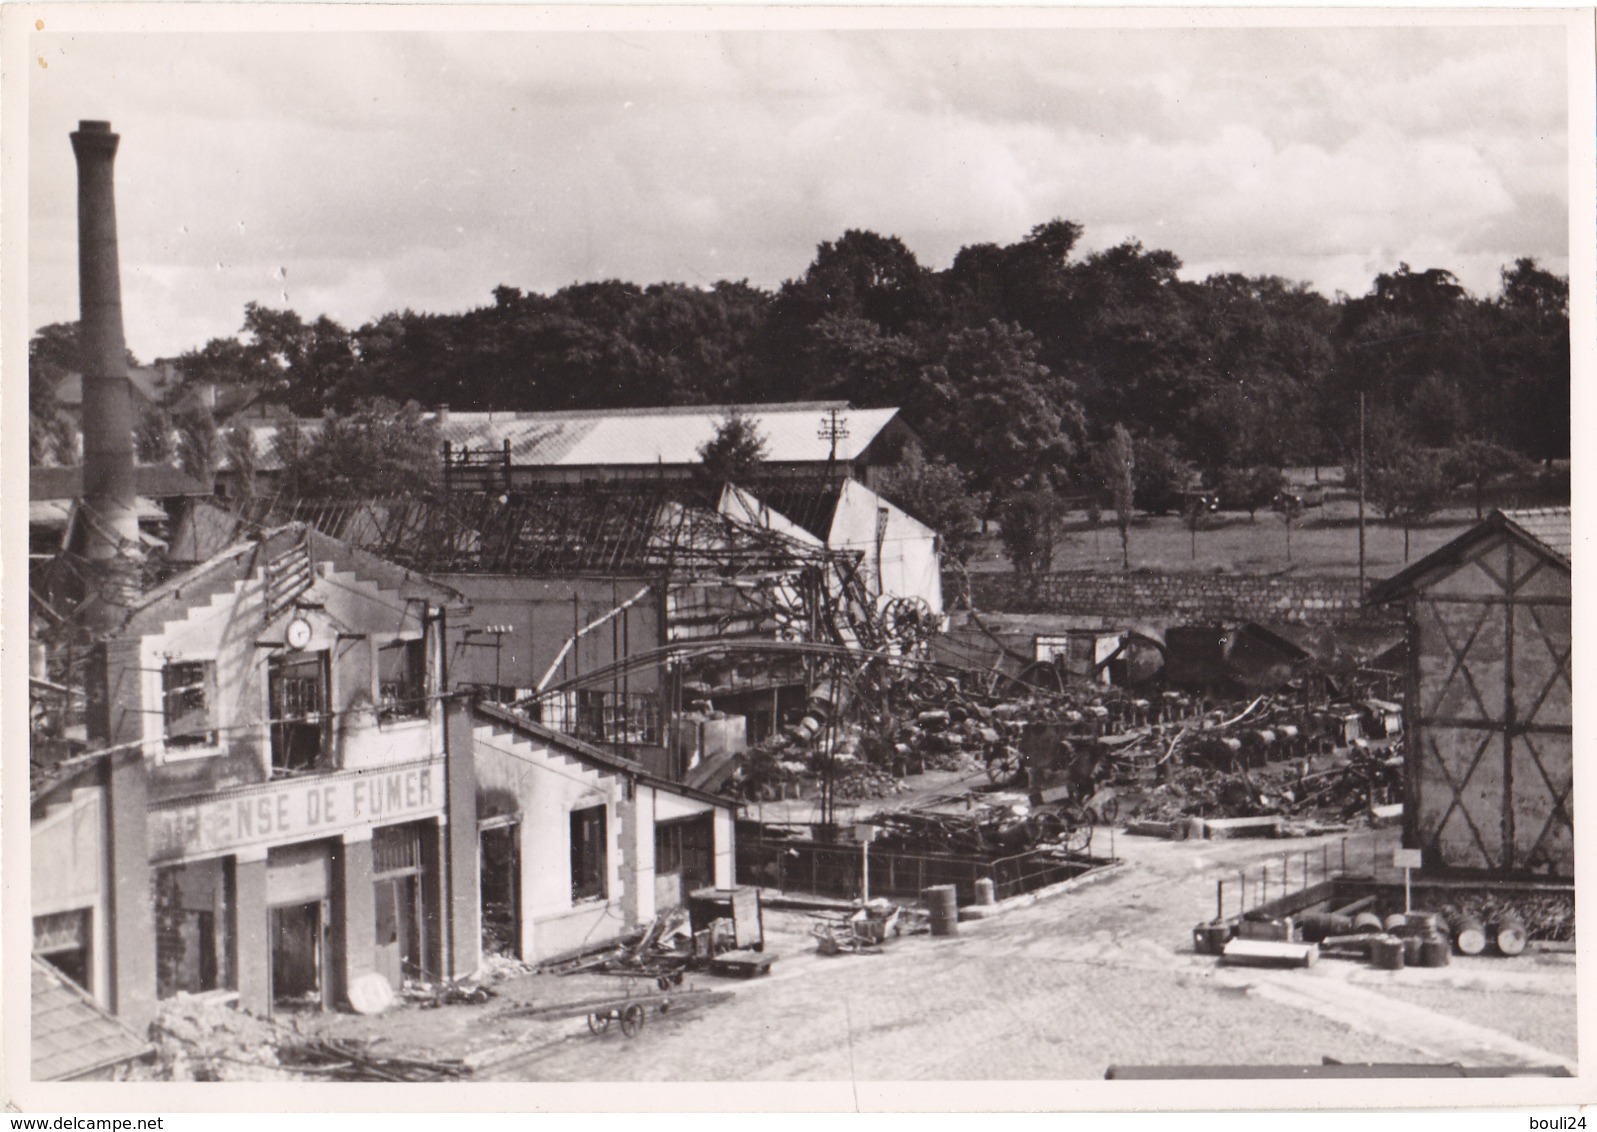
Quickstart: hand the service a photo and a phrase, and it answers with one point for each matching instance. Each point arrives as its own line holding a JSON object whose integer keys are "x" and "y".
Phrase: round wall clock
{"x": 299, "y": 633}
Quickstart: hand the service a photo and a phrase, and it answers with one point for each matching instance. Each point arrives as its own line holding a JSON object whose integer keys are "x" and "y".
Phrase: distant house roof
{"x": 596, "y": 757}
{"x": 632, "y": 437}
{"x": 156, "y": 481}
{"x": 152, "y": 383}
{"x": 1545, "y": 530}
{"x": 668, "y": 436}
{"x": 72, "y": 1035}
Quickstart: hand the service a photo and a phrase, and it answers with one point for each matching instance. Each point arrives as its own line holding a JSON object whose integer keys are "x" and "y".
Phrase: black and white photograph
{"x": 821, "y": 554}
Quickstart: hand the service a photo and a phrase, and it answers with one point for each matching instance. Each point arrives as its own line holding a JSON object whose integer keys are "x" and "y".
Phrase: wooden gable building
{"x": 1489, "y": 691}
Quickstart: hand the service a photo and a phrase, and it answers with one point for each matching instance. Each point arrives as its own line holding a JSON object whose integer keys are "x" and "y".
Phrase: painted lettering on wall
{"x": 295, "y": 811}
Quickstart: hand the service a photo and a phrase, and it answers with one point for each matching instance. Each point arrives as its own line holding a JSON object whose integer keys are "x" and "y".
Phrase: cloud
{"x": 389, "y": 170}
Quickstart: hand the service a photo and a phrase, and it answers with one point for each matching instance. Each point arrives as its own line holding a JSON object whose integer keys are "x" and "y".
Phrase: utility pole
{"x": 1361, "y": 493}
{"x": 833, "y": 428}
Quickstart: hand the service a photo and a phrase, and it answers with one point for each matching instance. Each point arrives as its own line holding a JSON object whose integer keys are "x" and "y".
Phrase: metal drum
{"x": 1386, "y": 952}
{"x": 943, "y": 903}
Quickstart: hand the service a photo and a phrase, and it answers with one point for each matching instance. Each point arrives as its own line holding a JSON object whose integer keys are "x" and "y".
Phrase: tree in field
{"x": 1195, "y": 515}
{"x": 1406, "y": 483}
{"x": 1475, "y": 463}
{"x": 379, "y": 450}
{"x": 735, "y": 453}
{"x": 1028, "y": 522}
{"x": 1248, "y": 489}
{"x": 934, "y": 492}
{"x": 1113, "y": 466}
{"x": 1162, "y": 476}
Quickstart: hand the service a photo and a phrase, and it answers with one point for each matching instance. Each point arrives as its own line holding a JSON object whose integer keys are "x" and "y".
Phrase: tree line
{"x": 1032, "y": 372}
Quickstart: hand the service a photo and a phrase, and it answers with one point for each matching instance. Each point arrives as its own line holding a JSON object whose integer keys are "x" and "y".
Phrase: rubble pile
{"x": 203, "y": 1038}
{"x": 1343, "y": 788}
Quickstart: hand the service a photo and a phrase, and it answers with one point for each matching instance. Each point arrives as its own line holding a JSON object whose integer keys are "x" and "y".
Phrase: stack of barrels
{"x": 1506, "y": 934}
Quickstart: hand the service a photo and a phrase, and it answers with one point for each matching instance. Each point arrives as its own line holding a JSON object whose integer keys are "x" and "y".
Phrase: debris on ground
{"x": 348, "y": 1059}
{"x": 204, "y": 1038}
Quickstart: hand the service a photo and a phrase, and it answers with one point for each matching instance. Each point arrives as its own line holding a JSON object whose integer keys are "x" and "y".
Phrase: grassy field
{"x": 1325, "y": 542}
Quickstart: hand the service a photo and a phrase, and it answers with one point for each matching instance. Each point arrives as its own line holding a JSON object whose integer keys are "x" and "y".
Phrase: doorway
{"x": 500, "y": 885}
{"x": 400, "y": 926}
{"x": 297, "y": 954}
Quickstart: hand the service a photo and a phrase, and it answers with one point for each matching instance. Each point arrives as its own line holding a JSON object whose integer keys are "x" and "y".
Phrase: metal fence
{"x": 1277, "y": 886}
{"x": 837, "y": 870}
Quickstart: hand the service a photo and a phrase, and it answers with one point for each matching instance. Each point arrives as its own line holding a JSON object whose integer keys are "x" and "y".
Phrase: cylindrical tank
{"x": 1386, "y": 952}
{"x": 943, "y": 902}
{"x": 1435, "y": 951}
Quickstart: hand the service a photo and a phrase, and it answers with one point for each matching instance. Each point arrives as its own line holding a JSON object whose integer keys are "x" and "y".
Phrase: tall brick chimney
{"x": 109, "y": 489}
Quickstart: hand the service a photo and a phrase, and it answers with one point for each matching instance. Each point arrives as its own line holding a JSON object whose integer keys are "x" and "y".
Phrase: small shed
{"x": 1489, "y": 753}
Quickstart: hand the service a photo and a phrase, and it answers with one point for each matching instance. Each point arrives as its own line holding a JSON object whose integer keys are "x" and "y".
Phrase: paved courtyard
{"x": 1100, "y": 975}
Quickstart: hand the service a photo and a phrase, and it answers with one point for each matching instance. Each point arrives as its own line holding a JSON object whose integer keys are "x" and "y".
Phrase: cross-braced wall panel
{"x": 1492, "y": 743}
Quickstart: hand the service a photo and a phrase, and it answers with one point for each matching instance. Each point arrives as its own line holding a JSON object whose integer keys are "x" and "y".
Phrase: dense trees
{"x": 376, "y": 450}
{"x": 1016, "y": 365}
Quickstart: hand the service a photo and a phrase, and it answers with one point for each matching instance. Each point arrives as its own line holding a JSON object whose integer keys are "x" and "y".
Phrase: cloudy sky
{"x": 353, "y": 173}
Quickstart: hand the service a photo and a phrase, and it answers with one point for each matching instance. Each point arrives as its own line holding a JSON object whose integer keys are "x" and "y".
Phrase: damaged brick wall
{"x": 1176, "y": 598}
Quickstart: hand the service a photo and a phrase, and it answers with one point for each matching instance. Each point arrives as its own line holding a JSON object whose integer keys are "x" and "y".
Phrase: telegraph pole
{"x": 1361, "y": 493}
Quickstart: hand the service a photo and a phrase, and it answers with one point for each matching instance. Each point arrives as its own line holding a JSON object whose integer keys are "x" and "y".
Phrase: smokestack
{"x": 109, "y": 491}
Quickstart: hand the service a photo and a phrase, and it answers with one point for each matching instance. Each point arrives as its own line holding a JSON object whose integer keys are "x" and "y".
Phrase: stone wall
{"x": 1190, "y": 599}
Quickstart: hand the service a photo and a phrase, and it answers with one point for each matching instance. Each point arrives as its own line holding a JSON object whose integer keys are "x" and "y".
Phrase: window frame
{"x": 321, "y": 719}
{"x": 413, "y": 707}
{"x": 199, "y": 744}
{"x": 590, "y": 870}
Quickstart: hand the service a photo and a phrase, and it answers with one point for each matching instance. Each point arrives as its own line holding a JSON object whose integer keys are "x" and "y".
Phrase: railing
{"x": 1280, "y": 886}
{"x": 836, "y": 870}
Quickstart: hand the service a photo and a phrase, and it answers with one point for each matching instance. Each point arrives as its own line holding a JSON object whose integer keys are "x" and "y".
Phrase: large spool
{"x": 1508, "y": 934}
{"x": 1469, "y": 935}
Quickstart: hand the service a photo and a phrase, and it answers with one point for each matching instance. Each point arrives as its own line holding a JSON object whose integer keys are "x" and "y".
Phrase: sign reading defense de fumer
{"x": 296, "y": 811}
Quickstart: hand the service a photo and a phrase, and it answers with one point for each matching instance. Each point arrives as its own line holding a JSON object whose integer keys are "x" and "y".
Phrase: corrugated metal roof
{"x": 1544, "y": 528}
{"x": 1546, "y": 525}
{"x": 72, "y": 1035}
{"x": 633, "y": 437}
{"x": 671, "y": 435}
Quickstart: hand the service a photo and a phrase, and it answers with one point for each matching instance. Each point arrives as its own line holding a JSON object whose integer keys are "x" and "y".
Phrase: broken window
{"x": 589, "y": 859}
{"x": 402, "y": 680}
{"x": 298, "y": 690}
{"x": 62, "y": 940}
{"x": 187, "y": 692}
{"x": 609, "y": 717}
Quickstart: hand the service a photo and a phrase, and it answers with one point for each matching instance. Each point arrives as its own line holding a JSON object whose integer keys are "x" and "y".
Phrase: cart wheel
{"x": 632, "y": 1020}
{"x": 1003, "y": 766}
{"x": 598, "y": 1023}
{"x": 1078, "y": 836}
{"x": 1051, "y": 825}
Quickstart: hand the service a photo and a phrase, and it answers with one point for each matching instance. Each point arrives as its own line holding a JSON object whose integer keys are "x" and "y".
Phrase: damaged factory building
{"x": 581, "y": 710}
